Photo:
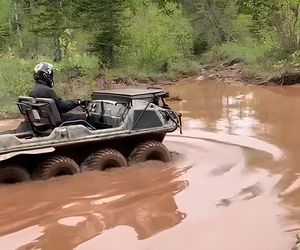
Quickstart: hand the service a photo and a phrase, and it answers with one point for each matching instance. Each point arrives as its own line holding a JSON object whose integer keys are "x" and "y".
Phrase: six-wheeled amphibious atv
{"x": 122, "y": 127}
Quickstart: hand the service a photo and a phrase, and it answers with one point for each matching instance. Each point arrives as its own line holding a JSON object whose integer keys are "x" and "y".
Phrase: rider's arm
{"x": 63, "y": 106}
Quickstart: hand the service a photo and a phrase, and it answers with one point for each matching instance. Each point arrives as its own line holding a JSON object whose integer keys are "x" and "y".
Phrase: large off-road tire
{"x": 149, "y": 150}
{"x": 104, "y": 159}
{"x": 12, "y": 174}
{"x": 56, "y": 166}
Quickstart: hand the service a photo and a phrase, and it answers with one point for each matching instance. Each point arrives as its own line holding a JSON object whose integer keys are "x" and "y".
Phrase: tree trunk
{"x": 58, "y": 47}
{"x": 58, "y": 51}
{"x": 36, "y": 45}
{"x": 298, "y": 26}
{"x": 215, "y": 21}
{"x": 18, "y": 26}
{"x": 10, "y": 31}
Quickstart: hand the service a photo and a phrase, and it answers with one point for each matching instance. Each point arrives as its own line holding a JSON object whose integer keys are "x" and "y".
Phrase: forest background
{"x": 93, "y": 42}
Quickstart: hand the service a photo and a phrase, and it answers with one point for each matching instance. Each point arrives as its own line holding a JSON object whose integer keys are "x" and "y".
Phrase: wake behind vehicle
{"x": 122, "y": 127}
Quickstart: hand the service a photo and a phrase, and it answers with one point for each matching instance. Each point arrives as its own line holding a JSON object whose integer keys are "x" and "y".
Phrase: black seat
{"x": 43, "y": 116}
{"x": 49, "y": 111}
{"x": 25, "y": 100}
{"x": 38, "y": 113}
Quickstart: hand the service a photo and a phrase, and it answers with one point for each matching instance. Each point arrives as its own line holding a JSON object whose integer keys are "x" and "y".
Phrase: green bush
{"x": 250, "y": 51}
{"x": 16, "y": 77}
{"x": 175, "y": 71}
{"x": 76, "y": 76}
{"x": 154, "y": 39}
{"x": 77, "y": 67}
{"x": 16, "y": 74}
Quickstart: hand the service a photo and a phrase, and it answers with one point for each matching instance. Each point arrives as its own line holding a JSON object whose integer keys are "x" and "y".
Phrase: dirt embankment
{"x": 232, "y": 72}
{"x": 102, "y": 82}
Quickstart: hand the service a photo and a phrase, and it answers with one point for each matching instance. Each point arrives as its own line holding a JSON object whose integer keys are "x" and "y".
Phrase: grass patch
{"x": 74, "y": 77}
{"x": 174, "y": 72}
{"x": 250, "y": 51}
{"x": 262, "y": 60}
{"x": 255, "y": 71}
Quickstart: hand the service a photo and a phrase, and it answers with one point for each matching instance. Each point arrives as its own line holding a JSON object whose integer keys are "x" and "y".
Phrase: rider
{"x": 43, "y": 76}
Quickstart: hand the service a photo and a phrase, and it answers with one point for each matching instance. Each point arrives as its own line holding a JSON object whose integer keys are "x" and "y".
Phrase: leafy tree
{"x": 4, "y": 25}
{"x": 51, "y": 19}
{"x": 279, "y": 16}
{"x": 154, "y": 40}
{"x": 212, "y": 21}
{"x": 103, "y": 18}
{"x": 4, "y": 34}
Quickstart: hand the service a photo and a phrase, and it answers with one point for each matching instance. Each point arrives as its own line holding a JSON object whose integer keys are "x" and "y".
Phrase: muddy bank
{"x": 103, "y": 82}
{"x": 232, "y": 72}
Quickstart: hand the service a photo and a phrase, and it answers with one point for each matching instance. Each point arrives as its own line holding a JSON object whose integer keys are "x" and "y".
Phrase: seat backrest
{"x": 41, "y": 113}
{"x": 25, "y": 100}
{"x": 49, "y": 111}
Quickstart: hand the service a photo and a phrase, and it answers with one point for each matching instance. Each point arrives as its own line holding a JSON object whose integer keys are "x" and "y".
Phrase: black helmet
{"x": 44, "y": 72}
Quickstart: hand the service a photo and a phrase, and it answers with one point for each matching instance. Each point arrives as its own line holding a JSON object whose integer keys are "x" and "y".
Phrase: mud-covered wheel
{"x": 56, "y": 166}
{"x": 12, "y": 174}
{"x": 104, "y": 159}
{"x": 149, "y": 150}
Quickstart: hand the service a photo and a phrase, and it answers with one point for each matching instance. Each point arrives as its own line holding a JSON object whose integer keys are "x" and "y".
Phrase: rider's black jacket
{"x": 42, "y": 90}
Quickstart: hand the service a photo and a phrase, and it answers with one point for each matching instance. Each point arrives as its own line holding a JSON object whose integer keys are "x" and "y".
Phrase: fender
{"x": 27, "y": 152}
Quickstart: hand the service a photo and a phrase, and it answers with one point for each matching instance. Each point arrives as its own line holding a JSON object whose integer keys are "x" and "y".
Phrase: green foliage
{"x": 250, "y": 51}
{"x": 16, "y": 77}
{"x": 52, "y": 19}
{"x": 103, "y": 18}
{"x": 154, "y": 38}
{"x": 5, "y": 4}
{"x": 3, "y": 35}
{"x": 275, "y": 17}
{"x": 4, "y": 29}
{"x": 259, "y": 71}
{"x": 142, "y": 38}
{"x": 260, "y": 11}
{"x": 212, "y": 20}
{"x": 82, "y": 69}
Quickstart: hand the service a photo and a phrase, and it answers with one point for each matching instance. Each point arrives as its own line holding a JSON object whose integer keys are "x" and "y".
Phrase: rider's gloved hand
{"x": 84, "y": 103}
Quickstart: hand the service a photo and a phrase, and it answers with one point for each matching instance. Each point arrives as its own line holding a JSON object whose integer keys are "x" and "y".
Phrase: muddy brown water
{"x": 233, "y": 183}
